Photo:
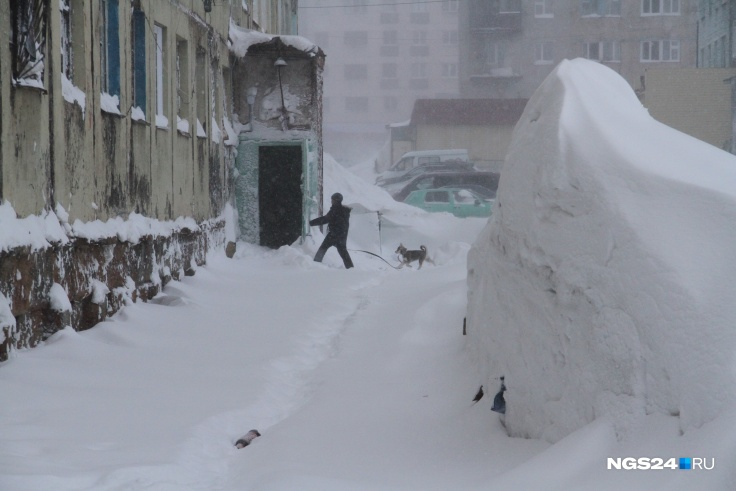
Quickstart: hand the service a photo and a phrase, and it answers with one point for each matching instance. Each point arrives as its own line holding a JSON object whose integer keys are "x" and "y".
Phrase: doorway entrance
{"x": 280, "y": 194}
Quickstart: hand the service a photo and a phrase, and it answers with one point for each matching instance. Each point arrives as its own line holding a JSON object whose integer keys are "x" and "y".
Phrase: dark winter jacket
{"x": 338, "y": 220}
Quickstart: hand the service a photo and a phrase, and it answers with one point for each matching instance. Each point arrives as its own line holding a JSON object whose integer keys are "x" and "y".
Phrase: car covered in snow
{"x": 434, "y": 180}
{"x": 458, "y": 201}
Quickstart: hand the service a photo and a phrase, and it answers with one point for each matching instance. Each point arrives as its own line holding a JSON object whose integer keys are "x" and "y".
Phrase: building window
{"x": 449, "y": 38}
{"x": 28, "y": 41}
{"x": 419, "y": 38}
{"x": 200, "y": 71}
{"x": 109, "y": 47}
{"x": 160, "y": 38}
{"x": 356, "y": 39}
{"x": 138, "y": 41}
{"x": 543, "y": 8}
{"x": 543, "y": 53}
{"x": 509, "y": 6}
{"x": 389, "y": 70}
{"x": 660, "y": 7}
{"x": 357, "y": 6}
{"x": 661, "y": 50}
{"x": 449, "y": 6}
{"x": 609, "y": 51}
{"x": 418, "y": 70}
{"x": 449, "y": 70}
{"x": 67, "y": 55}
{"x": 390, "y": 37}
{"x": 356, "y": 72}
{"x": 390, "y": 103}
{"x": 182, "y": 79}
{"x": 356, "y": 104}
{"x": 600, "y": 7}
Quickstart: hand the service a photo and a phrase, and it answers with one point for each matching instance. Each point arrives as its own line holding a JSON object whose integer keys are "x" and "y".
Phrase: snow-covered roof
{"x": 241, "y": 39}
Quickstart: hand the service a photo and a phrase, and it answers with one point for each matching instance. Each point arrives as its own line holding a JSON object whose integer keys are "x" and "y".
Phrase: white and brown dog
{"x": 407, "y": 257}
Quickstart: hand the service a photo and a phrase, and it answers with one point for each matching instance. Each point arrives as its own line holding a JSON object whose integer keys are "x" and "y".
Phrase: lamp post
{"x": 250, "y": 96}
{"x": 279, "y": 63}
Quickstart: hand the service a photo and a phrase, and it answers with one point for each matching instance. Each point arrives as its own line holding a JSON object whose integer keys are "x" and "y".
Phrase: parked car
{"x": 460, "y": 202}
{"x": 421, "y": 157}
{"x": 482, "y": 191}
{"x": 451, "y": 166}
{"x": 434, "y": 180}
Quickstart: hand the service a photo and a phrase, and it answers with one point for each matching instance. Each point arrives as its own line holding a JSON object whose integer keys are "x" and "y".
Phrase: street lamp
{"x": 279, "y": 63}
{"x": 250, "y": 96}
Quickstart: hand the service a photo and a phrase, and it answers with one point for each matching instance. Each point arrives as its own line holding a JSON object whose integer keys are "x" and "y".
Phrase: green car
{"x": 458, "y": 201}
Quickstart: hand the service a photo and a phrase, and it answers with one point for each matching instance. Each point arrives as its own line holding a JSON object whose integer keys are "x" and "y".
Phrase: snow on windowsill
{"x": 162, "y": 122}
{"x": 232, "y": 135}
{"x": 216, "y": 133}
{"x": 182, "y": 126}
{"x": 110, "y": 103}
{"x": 201, "y": 133}
{"x": 137, "y": 114}
{"x": 73, "y": 94}
{"x": 30, "y": 83}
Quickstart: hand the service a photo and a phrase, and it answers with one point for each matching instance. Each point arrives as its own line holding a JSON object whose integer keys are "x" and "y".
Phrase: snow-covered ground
{"x": 357, "y": 380}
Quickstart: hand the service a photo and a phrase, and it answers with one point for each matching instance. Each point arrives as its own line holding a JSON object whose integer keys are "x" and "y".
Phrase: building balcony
{"x": 491, "y": 71}
{"x": 501, "y": 22}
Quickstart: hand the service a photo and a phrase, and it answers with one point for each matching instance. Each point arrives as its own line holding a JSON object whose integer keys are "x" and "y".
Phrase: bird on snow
{"x": 247, "y": 438}
{"x": 479, "y": 395}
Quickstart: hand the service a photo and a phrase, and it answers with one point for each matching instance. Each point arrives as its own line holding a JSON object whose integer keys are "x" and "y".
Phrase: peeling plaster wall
{"x": 301, "y": 80}
{"x": 98, "y": 164}
{"x": 128, "y": 271}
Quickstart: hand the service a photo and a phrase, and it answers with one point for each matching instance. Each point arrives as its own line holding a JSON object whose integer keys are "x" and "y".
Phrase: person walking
{"x": 338, "y": 222}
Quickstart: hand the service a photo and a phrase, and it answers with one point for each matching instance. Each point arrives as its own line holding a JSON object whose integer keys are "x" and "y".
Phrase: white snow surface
{"x": 242, "y": 39}
{"x": 73, "y": 94}
{"x": 357, "y": 380}
{"x": 110, "y": 103}
{"x": 603, "y": 284}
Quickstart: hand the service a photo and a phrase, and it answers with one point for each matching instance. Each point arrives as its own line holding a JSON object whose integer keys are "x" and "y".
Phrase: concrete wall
{"x": 695, "y": 101}
{"x": 97, "y": 163}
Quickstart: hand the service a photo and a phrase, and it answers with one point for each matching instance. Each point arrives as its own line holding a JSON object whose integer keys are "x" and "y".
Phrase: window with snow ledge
{"x": 201, "y": 133}
{"x": 182, "y": 126}
{"x": 28, "y": 42}
{"x": 138, "y": 41}
{"x": 161, "y": 87}
{"x": 110, "y": 51}
{"x": 110, "y": 104}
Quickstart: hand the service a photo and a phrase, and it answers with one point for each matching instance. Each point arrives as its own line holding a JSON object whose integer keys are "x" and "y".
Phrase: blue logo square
{"x": 686, "y": 463}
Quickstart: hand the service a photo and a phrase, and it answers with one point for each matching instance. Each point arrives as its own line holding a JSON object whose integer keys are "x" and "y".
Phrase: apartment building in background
{"x": 716, "y": 33}
{"x": 508, "y": 47}
{"x": 381, "y": 55}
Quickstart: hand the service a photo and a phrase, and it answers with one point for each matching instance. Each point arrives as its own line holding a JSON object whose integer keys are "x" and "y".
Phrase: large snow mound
{"x": 603, "y": 285}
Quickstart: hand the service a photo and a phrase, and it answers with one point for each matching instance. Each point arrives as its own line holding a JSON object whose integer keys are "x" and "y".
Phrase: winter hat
{"x": 337, "y": 197}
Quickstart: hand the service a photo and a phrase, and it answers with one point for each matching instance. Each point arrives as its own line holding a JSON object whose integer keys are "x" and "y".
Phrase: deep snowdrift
{"x": 604, "y": 283}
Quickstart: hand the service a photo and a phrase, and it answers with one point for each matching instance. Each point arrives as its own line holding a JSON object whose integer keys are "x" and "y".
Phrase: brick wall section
{"x": 695, "y": 101}
{"x": 131, "y": 272}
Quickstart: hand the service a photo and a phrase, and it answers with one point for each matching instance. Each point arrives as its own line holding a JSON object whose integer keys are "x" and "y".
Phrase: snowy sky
{"x": 357, "y": 380}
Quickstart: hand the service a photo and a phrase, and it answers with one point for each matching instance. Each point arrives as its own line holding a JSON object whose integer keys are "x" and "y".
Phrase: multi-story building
{"x": 716, "y": 33}
{"x": 381, "y": 57}
{"x": 507, "y": 47}
{"x": 145, "y": 113}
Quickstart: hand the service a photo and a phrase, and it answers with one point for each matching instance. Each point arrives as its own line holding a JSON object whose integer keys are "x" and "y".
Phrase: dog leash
{"x": 373, "y": 254}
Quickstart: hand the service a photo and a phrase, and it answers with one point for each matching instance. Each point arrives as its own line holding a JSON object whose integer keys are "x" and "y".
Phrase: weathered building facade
{"x": 112, "y": 109}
